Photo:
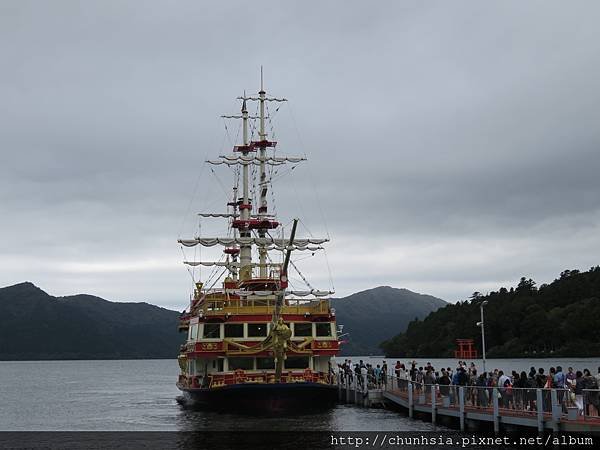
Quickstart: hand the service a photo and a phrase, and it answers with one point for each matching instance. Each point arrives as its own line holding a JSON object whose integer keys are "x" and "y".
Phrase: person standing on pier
{"x": 413, "y": 371}
{"x": 503, "y": 385}
{"x": 363, "y": 372}
{"x": 357, "y": 372}
{"x": 590, "y": 393}
{"x": 520, "y": 394}
{"x": 547, "y": 396}
{"x": 531, "y": 390}
{"x": 579, "y": 386}
{"x": 560, "y": 383}
{"x": 482, "y": 392}
{"x": 444, "y": 383}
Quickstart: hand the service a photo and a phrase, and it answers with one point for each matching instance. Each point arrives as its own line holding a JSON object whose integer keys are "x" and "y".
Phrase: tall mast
{"x": 262, "y": 210}
{"x": 245, "y": 250}
{"x": 243, "y": 219}
{"x": 233, "y": 268}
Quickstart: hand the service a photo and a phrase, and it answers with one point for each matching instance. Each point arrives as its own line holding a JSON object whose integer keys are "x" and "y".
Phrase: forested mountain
{"x": 376, "y": 314}
{"x": 35, "y": 325}
{"x": 559, "y": 319}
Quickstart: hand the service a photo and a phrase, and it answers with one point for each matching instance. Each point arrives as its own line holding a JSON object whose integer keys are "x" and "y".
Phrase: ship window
{"x": 303, "y": 329}
{"x": 193, "y": 332}
{"x": 265, "y": 363}
{"x": 324, "y": 329}
{"x": 212, "y": 330}
{"x": 220, "y": 364}
{"x": 296, "y": 362}
{"x": 241, "y": 363}
{"x": 234, "y": 330}
{"x": 257, "y": 329}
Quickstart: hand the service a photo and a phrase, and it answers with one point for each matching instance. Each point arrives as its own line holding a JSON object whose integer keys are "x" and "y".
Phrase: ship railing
{"x": 263, "y": 306}
{"x": 251, "y": 377}
{"x": 590, "y": 404}
{"x": 558, "y": 403}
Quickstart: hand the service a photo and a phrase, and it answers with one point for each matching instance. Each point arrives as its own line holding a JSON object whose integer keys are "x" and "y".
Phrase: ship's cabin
{"x": 224, "y": 354}
{"x": 253, "y": 331}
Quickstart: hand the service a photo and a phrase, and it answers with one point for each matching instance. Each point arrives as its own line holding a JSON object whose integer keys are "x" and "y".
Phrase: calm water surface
{"x": 141, "y": 395}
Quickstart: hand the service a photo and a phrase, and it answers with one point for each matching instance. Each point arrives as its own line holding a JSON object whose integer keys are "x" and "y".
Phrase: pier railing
{"x": 557, "y": 403}
{"x": 360, "y": 389}
{"x": 555, "y": 408}
{"x": 590, "y": 401}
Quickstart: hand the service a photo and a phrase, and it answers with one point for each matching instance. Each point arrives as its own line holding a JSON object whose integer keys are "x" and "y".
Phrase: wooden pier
{"x": 357, "y": 391}
{"x": 463, "y": 405}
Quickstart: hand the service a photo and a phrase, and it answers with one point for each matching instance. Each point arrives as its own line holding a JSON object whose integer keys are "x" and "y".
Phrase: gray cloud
{"x": 452, "y": 147}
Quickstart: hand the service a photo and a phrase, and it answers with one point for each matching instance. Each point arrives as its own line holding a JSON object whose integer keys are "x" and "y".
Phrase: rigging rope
{"x": 310, "y": 174}
{"x": 219, "y": 181}
{"x": 302, "y": 276}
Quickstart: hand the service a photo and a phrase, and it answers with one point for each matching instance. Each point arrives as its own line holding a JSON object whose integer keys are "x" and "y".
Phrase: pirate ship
{"x": 254, "y": 342}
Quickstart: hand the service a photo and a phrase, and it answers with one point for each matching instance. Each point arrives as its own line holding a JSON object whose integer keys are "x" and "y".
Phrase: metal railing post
{"x": 496, "y": 410}
{"x": 540, "y": 410}
{"x": 410, "y": 400}
{"x": 433, "y": 403}
{"x": 461, "y": 403}
{"x": 556, "y": 409}
{"x": 347, "y": 388}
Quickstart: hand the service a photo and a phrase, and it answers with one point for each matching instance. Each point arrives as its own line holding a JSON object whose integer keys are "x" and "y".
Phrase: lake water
{"x": 140, "y": 395}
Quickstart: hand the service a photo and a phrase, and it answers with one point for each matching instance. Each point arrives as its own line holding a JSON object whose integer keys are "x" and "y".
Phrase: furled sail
{"x": 217, "y": 215}
{"x": 256, "y": 160}
{"x": 314, "y": 292}
{"x": 225, "y": 264}
{"x": 276, "y": 244}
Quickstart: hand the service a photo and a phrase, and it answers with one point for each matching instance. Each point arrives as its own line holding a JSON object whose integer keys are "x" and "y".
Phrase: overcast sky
{"x": 453, "y": 146}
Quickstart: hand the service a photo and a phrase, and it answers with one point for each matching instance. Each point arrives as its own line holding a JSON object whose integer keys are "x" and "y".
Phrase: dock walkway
{"x": 474, "y": 406}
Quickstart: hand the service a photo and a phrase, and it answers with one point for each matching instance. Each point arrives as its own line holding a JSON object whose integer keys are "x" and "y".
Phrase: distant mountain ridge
{"x": 37, "y": 326}
{"x": 375, "y": 315}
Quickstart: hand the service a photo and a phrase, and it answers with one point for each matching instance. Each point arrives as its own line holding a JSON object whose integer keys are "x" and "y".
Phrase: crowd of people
{"x": 515, "y": 390}
{"x": 366, "y": 375}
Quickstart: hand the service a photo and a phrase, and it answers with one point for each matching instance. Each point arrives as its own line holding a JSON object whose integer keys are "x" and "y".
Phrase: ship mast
{"x": 262, "y": 210}
{"x": 245, "y": 250}
{"x": 243, "y": 221}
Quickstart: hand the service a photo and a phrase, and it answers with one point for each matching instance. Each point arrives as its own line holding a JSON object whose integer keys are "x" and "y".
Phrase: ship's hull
{"x": 269, "y": 398}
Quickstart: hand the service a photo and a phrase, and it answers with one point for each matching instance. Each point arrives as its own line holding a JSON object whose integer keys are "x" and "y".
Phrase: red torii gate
{"x": 465, "y": 349}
